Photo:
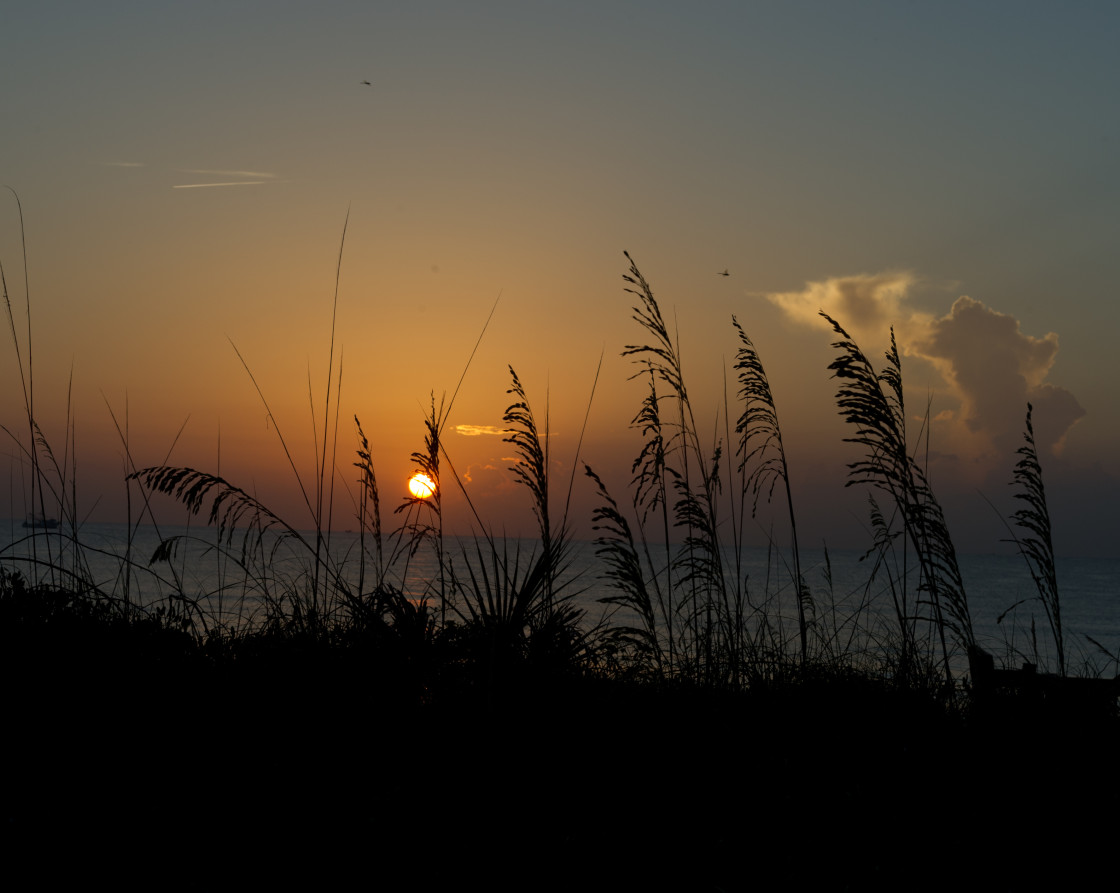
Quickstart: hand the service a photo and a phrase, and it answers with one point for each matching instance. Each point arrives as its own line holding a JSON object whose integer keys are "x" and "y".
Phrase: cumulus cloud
{"x": 865, "y": 305}
{"x": 990, "y": 367}
{"x": 996, "y": 369}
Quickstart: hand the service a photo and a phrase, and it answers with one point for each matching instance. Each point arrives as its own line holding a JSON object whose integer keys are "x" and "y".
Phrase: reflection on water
{"x": 233, "y": 582}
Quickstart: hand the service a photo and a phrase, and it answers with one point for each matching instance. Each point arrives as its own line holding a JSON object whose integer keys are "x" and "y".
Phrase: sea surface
{"x": 233, "y": 581}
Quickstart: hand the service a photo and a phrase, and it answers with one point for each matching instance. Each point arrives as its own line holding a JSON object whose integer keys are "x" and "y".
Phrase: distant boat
{"x": 42, "y": 523}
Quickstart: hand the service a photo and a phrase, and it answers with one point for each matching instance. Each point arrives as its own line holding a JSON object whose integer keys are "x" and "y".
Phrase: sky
{"x": 187, "y": 172}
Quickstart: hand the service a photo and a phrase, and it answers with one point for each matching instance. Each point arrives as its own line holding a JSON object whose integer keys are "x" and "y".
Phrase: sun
{"x": 421, "y": 486}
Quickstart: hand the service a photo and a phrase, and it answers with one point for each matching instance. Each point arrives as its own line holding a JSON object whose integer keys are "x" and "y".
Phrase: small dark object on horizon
{"x": 724, "y": 273}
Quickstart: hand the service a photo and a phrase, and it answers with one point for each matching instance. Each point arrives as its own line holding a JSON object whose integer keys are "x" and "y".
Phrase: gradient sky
{"x": 185, "y": 172}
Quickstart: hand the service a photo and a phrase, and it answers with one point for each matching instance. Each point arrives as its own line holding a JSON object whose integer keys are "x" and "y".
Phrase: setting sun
{"x": 421, "y": 486}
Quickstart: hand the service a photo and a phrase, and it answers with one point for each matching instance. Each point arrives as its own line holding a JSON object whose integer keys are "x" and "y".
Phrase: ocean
{"x": 232, "y": 587}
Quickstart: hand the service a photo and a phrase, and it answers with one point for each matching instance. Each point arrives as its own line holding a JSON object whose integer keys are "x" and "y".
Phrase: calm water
{"x": 232, "y": 587}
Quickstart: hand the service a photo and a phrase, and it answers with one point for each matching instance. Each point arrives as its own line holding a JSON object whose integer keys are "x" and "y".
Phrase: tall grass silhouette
{"x": 690, "y": 597}
{"x": 677, "y": 478}
{"x": 695, "y": 618}
{"x": 312, "y": 604}
{"x": 873, "y": 402}
{"x": 763, "y": 453}
{"x": 1037, "y": 546}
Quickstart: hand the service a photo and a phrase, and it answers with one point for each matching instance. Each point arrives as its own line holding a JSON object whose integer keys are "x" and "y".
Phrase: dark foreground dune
{"x": 304, "y": 760}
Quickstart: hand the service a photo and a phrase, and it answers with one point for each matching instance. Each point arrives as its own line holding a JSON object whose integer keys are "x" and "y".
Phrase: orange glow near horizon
{"x": 421, "y": 486}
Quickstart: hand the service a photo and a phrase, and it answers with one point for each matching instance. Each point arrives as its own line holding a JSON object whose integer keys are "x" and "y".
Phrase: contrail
{"x": 258, "y": 174}
{"x": 208, "y": 185}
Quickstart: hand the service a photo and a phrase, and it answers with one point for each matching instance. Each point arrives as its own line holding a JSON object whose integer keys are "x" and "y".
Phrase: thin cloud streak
{"x": 255, "y": 174}
{"x": 479, "y": 430}
{"x": 209, "y": 185}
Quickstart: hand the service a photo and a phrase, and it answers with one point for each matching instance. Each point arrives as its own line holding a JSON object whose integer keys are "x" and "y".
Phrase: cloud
{"x": 490, "y": 477}
{"x": 865, "y": 305}
{"x": 480, "y": 430}
{"x": 209, "y": 185}
{"x": 256, "y": 175}
{"x": 244, "y": 178}
{"x": 990, "y": 367}
{"x": 996, "y": 369}
{"x": 474, "y": 471}
{"x": 248, "y": 178}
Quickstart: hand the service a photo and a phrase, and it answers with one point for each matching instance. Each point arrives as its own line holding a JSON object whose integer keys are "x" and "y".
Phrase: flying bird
{"x": 724, "y": 273}
{"x": 367, "y": 83}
